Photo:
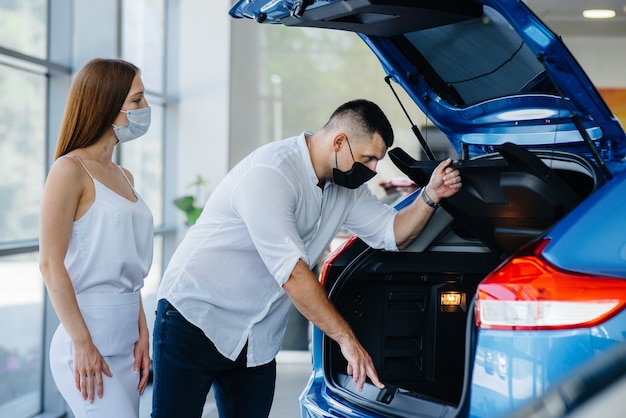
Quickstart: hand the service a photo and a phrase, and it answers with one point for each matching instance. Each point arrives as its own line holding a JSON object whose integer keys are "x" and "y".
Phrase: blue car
{"x": 518, "y": 279}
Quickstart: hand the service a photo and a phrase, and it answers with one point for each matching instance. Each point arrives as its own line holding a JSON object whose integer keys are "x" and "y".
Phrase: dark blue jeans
{"x": 186, "y": 364}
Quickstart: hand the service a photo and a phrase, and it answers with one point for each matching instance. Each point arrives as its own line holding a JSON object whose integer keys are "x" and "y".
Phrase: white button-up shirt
{"x": 226, "y": 276}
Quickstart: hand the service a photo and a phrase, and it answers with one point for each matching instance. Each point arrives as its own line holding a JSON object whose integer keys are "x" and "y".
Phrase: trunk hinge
{"x": 414, "y": 128}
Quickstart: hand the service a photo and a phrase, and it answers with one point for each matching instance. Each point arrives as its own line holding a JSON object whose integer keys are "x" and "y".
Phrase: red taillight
{"x": 333, "y": 256}
{"x": 527, "y": 292}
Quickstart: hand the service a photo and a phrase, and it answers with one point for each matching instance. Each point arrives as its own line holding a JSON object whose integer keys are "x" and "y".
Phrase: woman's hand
{"x": 142, "y": 361}
{"x": 89, "y": 365}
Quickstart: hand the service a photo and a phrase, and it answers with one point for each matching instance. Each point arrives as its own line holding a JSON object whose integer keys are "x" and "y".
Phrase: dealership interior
{"x": 218, "y": 88}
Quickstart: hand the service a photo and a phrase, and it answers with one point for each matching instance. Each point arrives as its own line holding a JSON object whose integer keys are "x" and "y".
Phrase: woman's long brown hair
{"x": 95, "y": 98}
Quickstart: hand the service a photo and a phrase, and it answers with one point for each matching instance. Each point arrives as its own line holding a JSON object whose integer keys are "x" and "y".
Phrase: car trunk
{"x": 412, "y": 310}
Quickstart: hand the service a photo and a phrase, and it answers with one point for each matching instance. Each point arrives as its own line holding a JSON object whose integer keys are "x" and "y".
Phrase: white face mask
{"x": 138, "y": 124}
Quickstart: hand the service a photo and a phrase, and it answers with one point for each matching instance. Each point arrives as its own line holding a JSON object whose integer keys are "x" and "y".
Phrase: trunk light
{"x": 450, "y": 299}
{"x": 527, "y": 292}
{"x": 453, "y": 301}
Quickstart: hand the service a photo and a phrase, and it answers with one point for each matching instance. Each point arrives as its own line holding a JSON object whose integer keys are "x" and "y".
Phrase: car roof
{"x": 484, "y": 72}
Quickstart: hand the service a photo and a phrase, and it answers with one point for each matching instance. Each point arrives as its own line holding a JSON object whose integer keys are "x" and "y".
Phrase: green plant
{"x": 188, "y": 204}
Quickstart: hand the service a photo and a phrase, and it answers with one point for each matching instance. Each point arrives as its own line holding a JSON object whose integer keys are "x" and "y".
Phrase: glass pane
{"x": 23, "y": 26}
{"x": 321, "y": 64}
{"x": 143, "y": 34}
{"x": 507, "y": 66}
{"x": 317, "y": 63}
{"x": 144, "y": 158}
{"x": 21, "y": 308}
{"x": 22, "y": 150}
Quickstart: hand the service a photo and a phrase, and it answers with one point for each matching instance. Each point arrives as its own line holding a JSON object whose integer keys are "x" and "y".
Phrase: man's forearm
{"x": 312, "y": 301}
{"x": 411, "y": 221}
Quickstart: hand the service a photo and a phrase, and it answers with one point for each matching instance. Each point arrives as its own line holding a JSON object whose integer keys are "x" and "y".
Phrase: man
{"x": 225, "y": 297}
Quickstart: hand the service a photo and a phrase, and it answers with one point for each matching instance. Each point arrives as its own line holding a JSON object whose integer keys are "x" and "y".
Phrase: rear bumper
{"x": 511, "y": 368}
{"x": 316, "y": 402}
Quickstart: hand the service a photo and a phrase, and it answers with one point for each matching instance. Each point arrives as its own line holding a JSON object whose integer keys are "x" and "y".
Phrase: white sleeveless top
{"x": 110, "y": 250}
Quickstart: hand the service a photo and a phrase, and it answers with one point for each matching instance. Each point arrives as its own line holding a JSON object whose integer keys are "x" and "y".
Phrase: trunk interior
{"x": 395, "y": 301}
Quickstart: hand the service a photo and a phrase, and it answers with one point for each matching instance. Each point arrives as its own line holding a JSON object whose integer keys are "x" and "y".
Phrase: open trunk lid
{"x": 485, "y": 72}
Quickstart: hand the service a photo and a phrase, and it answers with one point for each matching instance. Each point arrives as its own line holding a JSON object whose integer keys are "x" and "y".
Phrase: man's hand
{"x": 311, "y": 300}
{"x": 360, "y": 365}
{"x": 444, "y": 182}
{"x": 410, "y": 221}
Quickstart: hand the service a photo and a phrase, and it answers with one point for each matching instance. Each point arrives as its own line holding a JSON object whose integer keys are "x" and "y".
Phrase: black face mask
{"x": 354, "y": 177}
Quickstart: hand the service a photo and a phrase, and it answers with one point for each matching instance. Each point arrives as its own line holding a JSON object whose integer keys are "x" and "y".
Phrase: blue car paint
{"x": 592, "y": 238}
{"x": 534, "y": 362}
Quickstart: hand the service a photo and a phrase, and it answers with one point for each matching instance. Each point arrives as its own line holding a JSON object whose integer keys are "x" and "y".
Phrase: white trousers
{"x": 112, "y": 320}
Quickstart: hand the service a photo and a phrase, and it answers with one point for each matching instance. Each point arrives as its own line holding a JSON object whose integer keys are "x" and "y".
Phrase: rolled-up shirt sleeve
{"x": 266, "y": 203}
{"x": 372, "y": 221}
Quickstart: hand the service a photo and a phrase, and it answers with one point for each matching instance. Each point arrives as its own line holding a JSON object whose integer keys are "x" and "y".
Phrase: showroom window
{"x": 23, "y": 26}
{"x": 21, "y": 359}
{"x": 23, "y": 83}
{"x": 319, "y": 65}
{"x": 39, "y": 52}
{"x": 22, "y": 147}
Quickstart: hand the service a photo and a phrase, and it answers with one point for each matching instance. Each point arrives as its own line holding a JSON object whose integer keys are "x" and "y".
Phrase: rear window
{"x": 475, "y": 60}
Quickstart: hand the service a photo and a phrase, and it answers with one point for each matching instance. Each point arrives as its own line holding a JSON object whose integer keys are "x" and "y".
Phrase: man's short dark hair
{"x": 369, "y": 116}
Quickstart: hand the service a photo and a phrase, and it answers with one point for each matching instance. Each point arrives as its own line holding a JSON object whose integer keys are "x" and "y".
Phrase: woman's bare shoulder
{"x": 67, "y": 170}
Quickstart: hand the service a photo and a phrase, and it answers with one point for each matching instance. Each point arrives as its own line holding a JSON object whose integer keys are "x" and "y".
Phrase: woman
{"x": 96, "y": 238}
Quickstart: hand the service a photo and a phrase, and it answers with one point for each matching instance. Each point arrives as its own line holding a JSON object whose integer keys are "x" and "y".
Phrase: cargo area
{"x": 397, "y": 302}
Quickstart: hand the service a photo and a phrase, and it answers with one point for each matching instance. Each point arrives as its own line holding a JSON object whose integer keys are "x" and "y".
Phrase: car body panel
{"x": 584, "y": 226}
{"x": 597, "y": 389}
{"x": 532, "y": 362}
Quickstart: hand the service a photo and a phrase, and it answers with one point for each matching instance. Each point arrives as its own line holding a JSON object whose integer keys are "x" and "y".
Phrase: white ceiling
{"x": 564, "y": 17}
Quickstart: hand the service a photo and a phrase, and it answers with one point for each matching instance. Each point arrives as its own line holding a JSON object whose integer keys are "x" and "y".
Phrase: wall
{"x": 602, "y": 58}
{"x": 203, "y": 67}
